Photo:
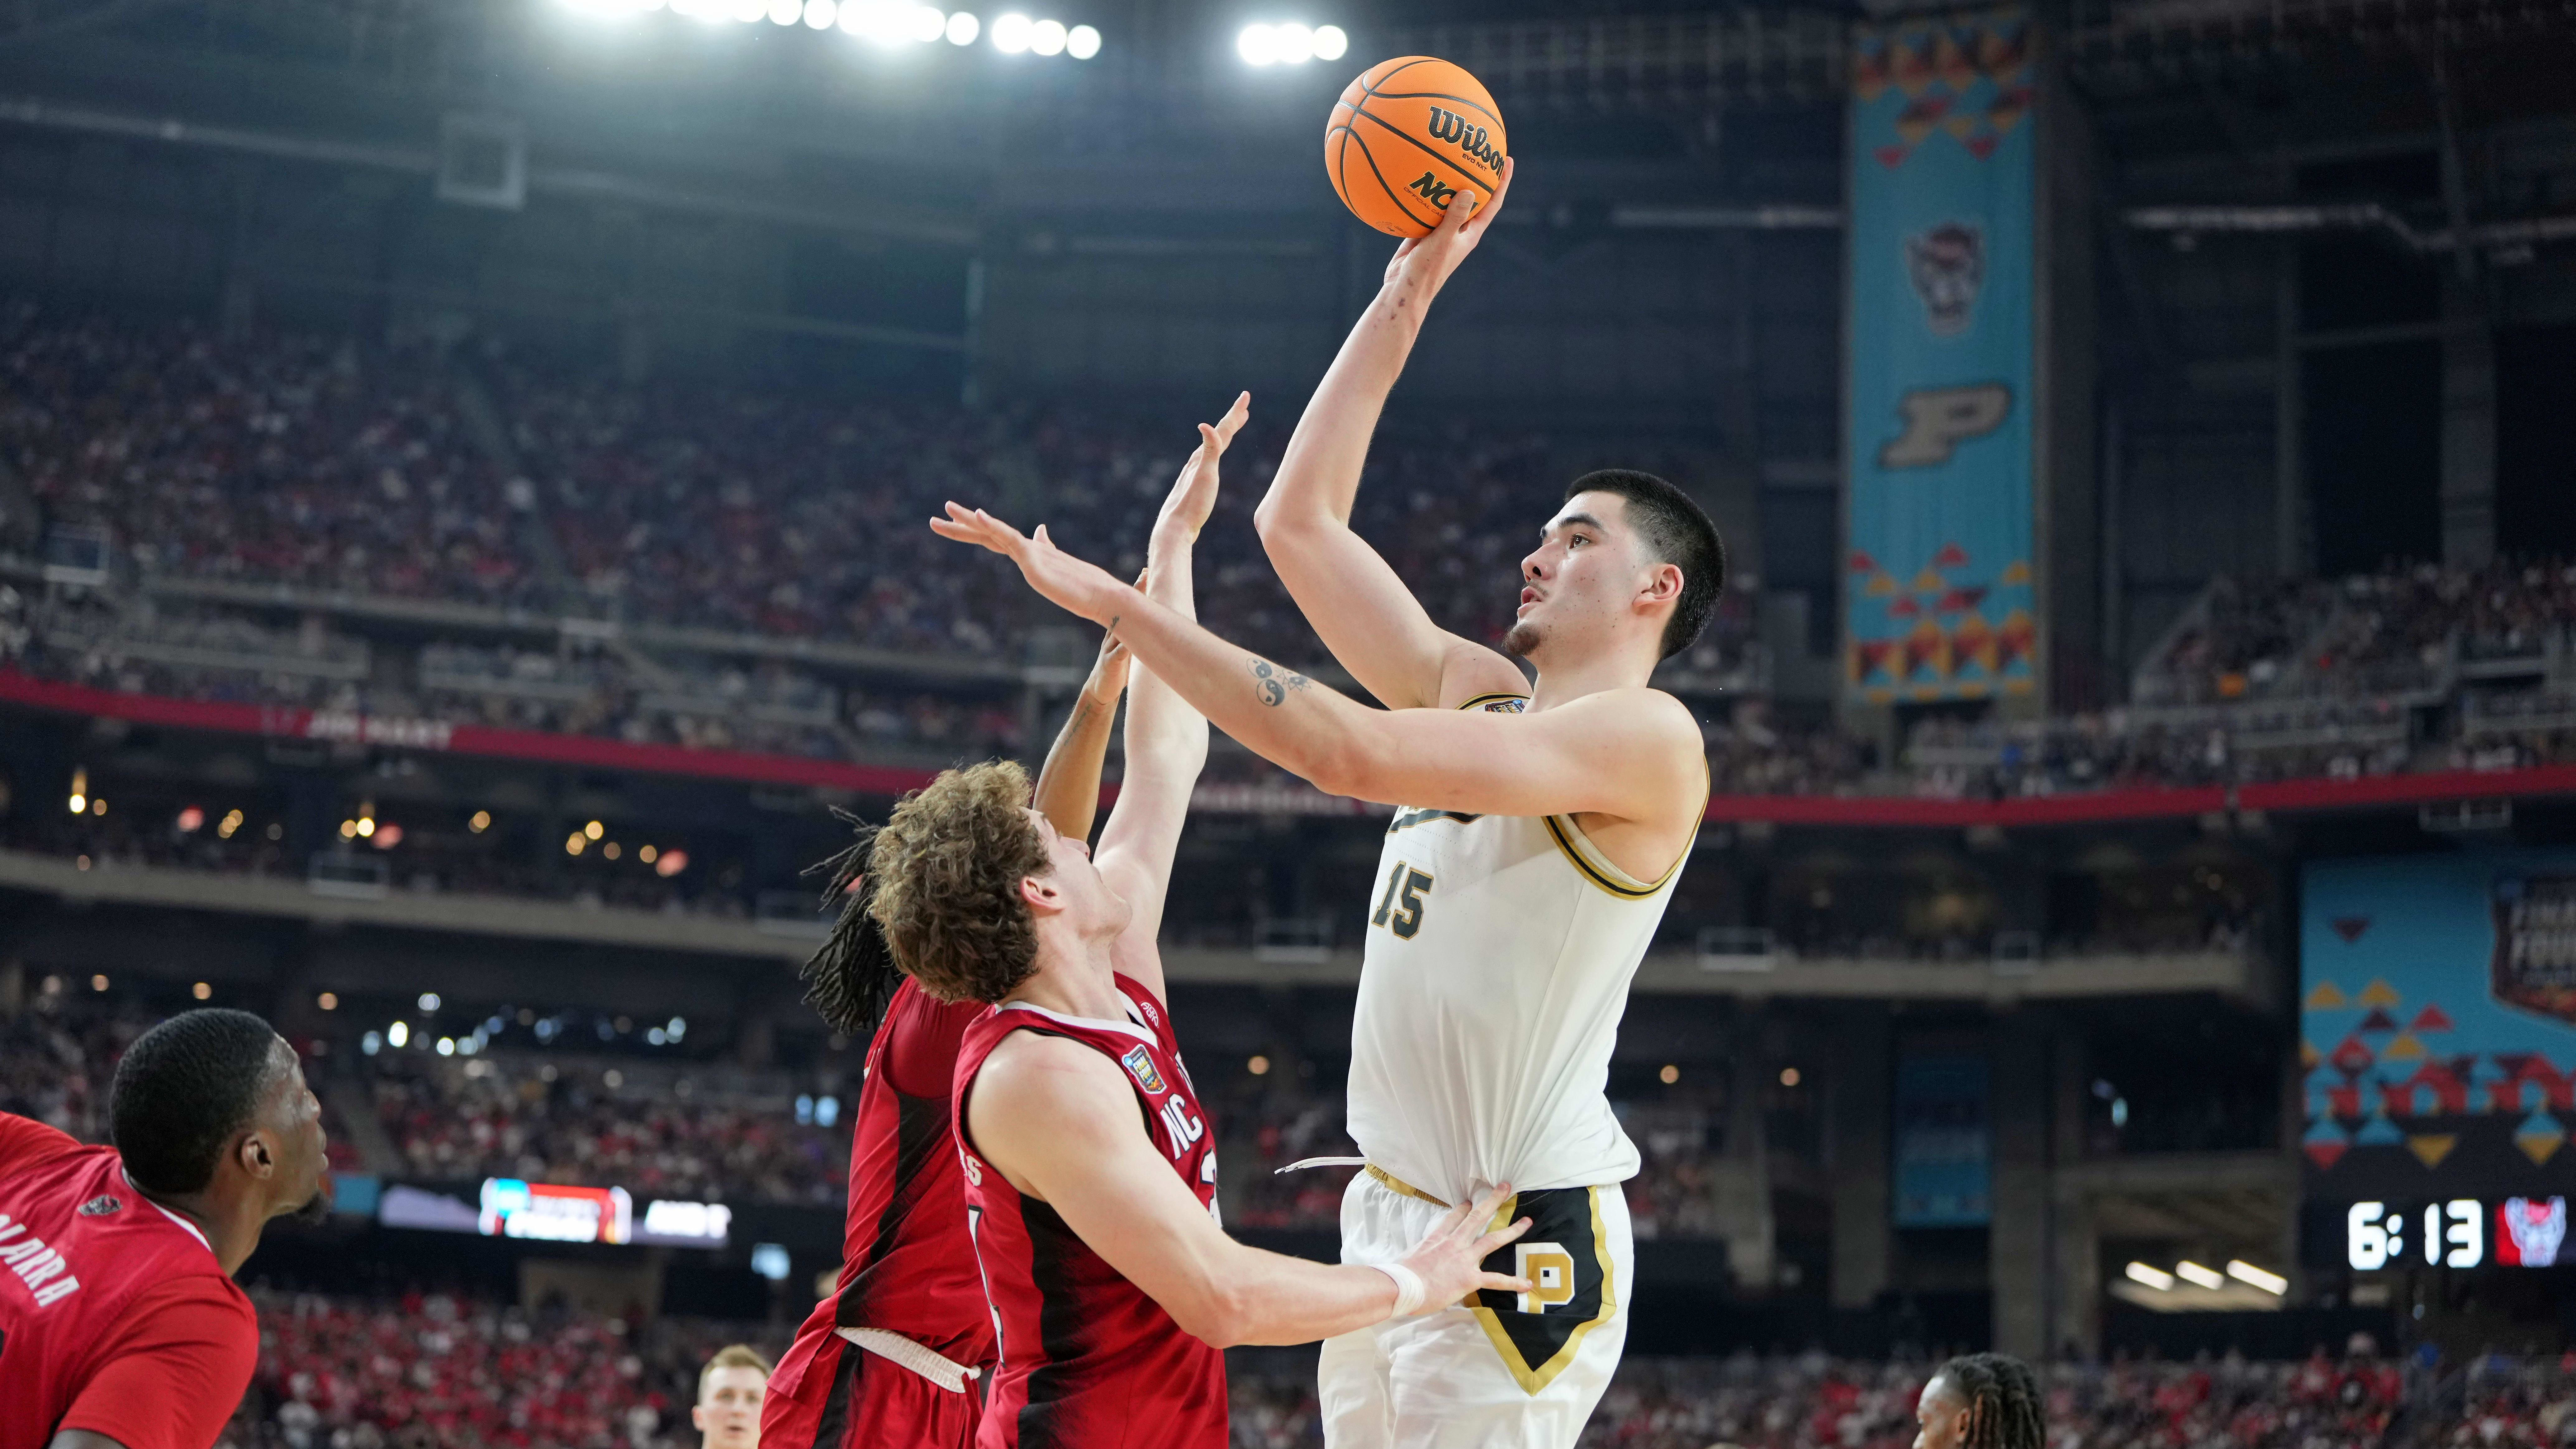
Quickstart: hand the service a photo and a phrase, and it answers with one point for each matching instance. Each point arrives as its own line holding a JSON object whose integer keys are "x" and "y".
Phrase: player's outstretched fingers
{"x": 1494, "y": 1240}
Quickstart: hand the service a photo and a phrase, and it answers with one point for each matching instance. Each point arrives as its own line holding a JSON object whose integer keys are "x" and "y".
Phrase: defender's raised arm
{"x": 1362, "y": 611}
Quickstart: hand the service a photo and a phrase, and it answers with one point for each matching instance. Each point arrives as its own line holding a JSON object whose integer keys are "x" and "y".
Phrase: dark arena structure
{"x": 464, "y": 468}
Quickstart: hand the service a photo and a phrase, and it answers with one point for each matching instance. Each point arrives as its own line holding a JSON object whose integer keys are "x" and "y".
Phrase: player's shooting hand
{"x": 1461, "y": 227}
{"x": 1060, "y": 578}
{"x": 1450, "y": 1258}
{"x": 1193, "y": 496}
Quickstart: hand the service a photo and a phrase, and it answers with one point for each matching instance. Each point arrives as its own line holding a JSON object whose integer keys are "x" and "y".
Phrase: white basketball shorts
{"x": 1501, "y": 1370}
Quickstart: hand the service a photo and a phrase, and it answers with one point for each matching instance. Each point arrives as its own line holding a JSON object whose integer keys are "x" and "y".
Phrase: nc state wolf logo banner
{"x": 1937, "y": 596}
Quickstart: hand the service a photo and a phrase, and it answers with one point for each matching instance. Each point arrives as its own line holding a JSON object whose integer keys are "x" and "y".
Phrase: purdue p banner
{"x": 1566, "y": 1257}
{"x": 1937, "y": 589}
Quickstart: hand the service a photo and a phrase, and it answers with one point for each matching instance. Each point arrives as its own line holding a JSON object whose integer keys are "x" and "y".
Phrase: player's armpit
{"x": 82, "y": 1439}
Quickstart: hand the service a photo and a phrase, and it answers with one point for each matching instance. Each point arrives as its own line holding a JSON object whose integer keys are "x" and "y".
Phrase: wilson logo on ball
{"x": 1467, "y": 136}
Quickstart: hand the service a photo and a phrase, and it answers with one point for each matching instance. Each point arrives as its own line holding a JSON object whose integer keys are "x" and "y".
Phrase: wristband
{"x": 1408, "y": 1288}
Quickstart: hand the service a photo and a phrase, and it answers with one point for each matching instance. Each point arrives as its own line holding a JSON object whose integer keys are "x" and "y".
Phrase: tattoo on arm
{"x": 1273, "y": 683}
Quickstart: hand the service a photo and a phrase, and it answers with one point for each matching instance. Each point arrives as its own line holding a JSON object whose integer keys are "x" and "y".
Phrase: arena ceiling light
{"x": 1290, "y": 43}
{"x": 2244, "y": 1272}
{"x": 1011, "y": 33}
{"x": 963, "y": 27}
{"x": 2156, "y": 1278}
{"x": 2198, "y": 1276}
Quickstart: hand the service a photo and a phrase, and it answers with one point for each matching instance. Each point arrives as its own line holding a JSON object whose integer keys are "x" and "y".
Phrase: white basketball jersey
{"x": 1499, "y": 954}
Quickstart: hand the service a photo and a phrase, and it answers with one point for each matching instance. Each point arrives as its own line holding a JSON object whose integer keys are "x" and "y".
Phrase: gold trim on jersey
{"x": 1601, "y": 870}
{"x": 1487, "y": 699}
{"x": 1534, "y": 1380}
{"x": 1393, "y": 1183}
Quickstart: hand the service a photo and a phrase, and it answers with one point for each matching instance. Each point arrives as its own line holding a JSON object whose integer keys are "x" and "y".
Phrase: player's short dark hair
{"x": 182, "y": 1092}
{"x": 1678, "y": 532}
{"x": 2002, "y": 1395}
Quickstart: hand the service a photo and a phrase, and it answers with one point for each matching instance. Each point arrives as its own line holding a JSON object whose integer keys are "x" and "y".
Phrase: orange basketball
{"x": 1407, "y": 136}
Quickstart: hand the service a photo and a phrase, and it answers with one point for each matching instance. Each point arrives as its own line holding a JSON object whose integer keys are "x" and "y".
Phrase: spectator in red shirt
{"x": 123, "y": 1327}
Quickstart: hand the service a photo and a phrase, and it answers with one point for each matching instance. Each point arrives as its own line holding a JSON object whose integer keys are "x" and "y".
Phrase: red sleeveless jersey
{"x": 114, "y": 1315}
{"x": 907, "y": 1264}
{"x": 1088, "y": 1361}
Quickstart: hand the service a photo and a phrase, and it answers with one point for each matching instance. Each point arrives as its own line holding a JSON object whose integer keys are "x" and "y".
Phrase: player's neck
{"x": 1567, "y": 675}
{"x": 1074, "y": 978}
{"x": 231, "y": 1232}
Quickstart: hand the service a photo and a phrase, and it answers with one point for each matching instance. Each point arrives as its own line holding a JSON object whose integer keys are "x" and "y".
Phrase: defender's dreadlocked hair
{"x": 2002, "y": 1396}
{"x": 852, "y": 979}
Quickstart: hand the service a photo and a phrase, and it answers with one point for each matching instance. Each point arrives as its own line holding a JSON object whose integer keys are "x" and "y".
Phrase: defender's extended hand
{"x": 1450, "y": 1258}
{"x": 1193, "y": 496}
{"x": 1460, "y": 229}
{"x": 1060, "y": 578}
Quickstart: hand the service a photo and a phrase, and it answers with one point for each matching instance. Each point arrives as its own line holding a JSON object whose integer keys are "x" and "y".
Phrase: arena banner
{"x": 2438, "y": 1048}
{"x": 1943, "y": 1144}
{"x": 1937, "y": 433}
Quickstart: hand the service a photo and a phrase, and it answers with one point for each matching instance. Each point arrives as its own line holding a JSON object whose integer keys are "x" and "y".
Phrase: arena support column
{"x": 1856, "y": 1155}
{"x": 2021, "y": 1242}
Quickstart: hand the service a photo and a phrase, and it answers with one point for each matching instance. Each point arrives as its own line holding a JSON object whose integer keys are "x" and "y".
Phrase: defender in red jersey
{"x": 899, "y": 1353}
{"x": 1090, "y": 1174}
{"x": 120, "y": 1326}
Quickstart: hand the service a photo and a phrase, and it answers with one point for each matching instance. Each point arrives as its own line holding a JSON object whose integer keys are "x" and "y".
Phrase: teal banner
{"x": 1938, "y": 597}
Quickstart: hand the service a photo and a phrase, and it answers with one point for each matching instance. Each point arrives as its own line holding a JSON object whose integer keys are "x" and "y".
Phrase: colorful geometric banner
{"x": 1937, "y": 593}
{"x": 2438, "y": 1025}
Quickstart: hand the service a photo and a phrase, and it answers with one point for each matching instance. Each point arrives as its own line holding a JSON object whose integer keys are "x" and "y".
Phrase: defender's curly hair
{"x": 946, "y": 871}
{"x": 2002, "y": 1395}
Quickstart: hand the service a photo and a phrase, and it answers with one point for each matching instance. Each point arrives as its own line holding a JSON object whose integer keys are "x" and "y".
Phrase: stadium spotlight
{"x": 2198, "y": 1276}
{"x": 447, "y": 1046}
{"x": 1330, "y": 42}
{"x": 655, "y": 1036}
{"x": 2244, "y": 1272}
{"x": 677, "y": 1028}
{"x": 372, "y": 1043}
{"x": 399, "y": 1033}
{"x": 819, "y": 14}
{"x": 1011, "y": 33}
{"x": 1047, "y": 37}
{"x": 785, "y": 12}
{"x": 1258, "y": 45}
{"x": 963, "y": 27}
{"x": 429, "y": 1001}
{"x": 593, "y": 830}
{"x": 927, "y": 23}
{"x": 1294, "y": 43}
{"x": 2155, "y": 1278}
{"x": 1082, "y": 42}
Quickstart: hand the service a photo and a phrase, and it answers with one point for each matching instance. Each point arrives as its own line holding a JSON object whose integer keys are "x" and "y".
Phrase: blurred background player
{"x": 1981, "y": 1401}
{"x": 1540, "y": 832}
{"x": 1113, "y": 1286}
{"x": 730, "y": 1388}
{"x": 909, "y": 1292}
{"x": 121, "y": 1324}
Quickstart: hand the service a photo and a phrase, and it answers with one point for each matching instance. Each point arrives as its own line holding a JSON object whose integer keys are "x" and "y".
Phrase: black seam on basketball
{"x": 1368, "y": 89}
{"x": 1391, "y": 195}
{"x": 1437, "y": 96}
{"x": 1434, "y": 155}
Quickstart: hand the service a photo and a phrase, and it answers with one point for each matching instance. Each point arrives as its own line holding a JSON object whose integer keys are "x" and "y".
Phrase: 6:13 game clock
{"x": 2528, "y": 1232}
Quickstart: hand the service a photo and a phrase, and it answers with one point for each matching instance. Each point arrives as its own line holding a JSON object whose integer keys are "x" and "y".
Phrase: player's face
{"x": 1584, "y": 574}
{"x": 1940, "y": 1417}
{"x": 727, "y": 1413}
{"x": 1088, "y": 904}
{"x": 300, "y": 1150}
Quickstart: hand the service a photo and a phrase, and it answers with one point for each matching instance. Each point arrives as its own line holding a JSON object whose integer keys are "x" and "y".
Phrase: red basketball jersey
{"x": 907, "y": 1264}
{"x": 1088, "y": 1361}
{"x": 114, "y": 1315}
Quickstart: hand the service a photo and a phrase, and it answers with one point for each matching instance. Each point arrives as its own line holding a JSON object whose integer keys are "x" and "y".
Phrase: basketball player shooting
{"x": 1540, "y": 831}
{"x": 1090, "y": 1167}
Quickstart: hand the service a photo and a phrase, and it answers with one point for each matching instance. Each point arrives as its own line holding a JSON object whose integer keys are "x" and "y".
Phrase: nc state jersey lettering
{"x": 1088, "y": 1361}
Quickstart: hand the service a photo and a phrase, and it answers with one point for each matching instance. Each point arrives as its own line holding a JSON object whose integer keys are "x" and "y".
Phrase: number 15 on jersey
{"x": 1400, "y": 906}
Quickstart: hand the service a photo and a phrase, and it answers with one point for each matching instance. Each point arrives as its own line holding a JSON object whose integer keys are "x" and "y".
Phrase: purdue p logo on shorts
{"x": 1566, "y": 1258}
{"x": 1550, "y": 1269}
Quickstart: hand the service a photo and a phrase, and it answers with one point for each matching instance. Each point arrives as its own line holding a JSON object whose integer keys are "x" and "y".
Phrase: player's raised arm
{"x": 1068, "y": 788}
{"x": 1167, "y": 740}
{"x": 1631, "y": 754}
{"x": 1358, "y": 606}
{"x": 1059, "y": 1121}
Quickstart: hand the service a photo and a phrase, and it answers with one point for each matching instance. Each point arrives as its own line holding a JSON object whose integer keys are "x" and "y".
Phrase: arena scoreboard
{"x": 2438, "y": 1060}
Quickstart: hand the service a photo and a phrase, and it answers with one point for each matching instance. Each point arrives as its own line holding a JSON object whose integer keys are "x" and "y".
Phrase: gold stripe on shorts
{"x": 1394, "y": 1183}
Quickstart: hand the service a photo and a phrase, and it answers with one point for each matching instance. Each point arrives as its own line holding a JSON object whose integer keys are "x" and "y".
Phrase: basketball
{"x": 1408, "y": 135}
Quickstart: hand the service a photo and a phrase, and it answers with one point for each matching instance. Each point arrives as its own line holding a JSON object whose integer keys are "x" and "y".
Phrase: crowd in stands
{"x": 423, "y": 1369}
{"x": 419, "y": 1370}
{"x": 662, "y": 1134}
